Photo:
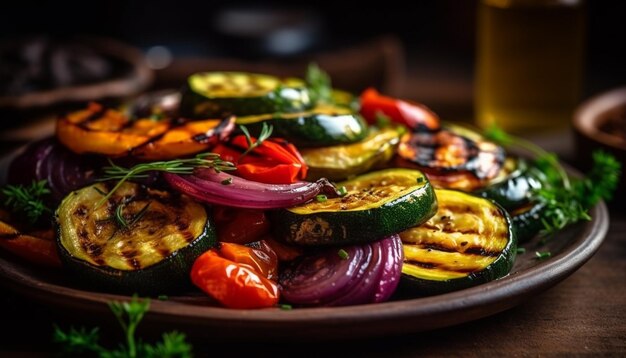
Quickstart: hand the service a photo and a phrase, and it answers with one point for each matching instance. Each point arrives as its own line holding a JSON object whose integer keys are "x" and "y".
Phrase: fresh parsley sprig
{"x": 319, "y": 84}
{"x": 176, "y": 166}
{"x": 565, "y": 200}
{"x": 27, "y": 200}
{"x": 129, "y": 315}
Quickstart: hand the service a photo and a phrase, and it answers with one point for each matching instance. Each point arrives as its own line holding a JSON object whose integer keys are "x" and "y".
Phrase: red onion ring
{"x": 370, "y": 274}
{"x": 226, "y": 189}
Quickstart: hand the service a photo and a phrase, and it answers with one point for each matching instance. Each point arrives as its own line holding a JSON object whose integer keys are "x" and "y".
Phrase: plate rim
{"x": 480, "y": 301}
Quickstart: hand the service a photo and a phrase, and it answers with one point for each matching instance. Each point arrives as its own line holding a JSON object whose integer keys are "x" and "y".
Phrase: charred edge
{"x": 10, "y": 236}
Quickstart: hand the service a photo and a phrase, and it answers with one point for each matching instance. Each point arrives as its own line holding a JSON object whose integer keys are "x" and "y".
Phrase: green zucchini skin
{"x": 169, "y": 275}
{"x": 514, "y": 190}
{"x": 347, "y": 160}
{"x": 335, "y": 226}
{"x": 281, "y": 95}
{"x": 500, "y": 267}
{"x": 312, "y": 129}
{"x": 527, "y": 221}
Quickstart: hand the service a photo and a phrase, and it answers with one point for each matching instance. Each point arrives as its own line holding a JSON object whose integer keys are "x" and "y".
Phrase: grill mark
{"x": 92, "y": 117}
{"x": 470, "y": 231}
{"x": 134, "y": 263}
{"x": 81, "y": 211}
{"x": 471, "y": 250}
{"x": 90, "y": 248}
{"x": 187, "y": 235}
{"x": 442, "y": 267}
{"x": 474, "y": 250}
{"x": 164, "y": 251}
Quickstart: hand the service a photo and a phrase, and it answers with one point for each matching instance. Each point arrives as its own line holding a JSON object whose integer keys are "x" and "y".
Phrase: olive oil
{"x": 529, "y": 63}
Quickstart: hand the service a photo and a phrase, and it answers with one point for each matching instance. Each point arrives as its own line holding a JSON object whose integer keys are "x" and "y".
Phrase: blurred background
{"x": 426, "y": 52}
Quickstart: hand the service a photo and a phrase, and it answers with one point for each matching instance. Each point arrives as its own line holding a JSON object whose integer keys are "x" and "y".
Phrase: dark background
{"x": 437, "y": 31}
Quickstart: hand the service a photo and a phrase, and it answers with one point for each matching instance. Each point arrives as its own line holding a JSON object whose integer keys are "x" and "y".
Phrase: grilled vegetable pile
{"x": 262, "y": 191}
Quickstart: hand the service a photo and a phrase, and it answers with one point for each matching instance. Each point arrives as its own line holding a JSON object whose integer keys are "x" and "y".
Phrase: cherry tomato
{"x": 284, "y": 252}
{"x": 262, "y": 259}
{"x": 413, "y": 115}
{"x": 238, "y": 276}
{"x": 240, "y": 226}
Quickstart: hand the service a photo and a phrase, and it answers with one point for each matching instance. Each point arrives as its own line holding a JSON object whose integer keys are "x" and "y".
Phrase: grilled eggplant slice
{"x": 377, "y": 204}
{"x": 468, "y": 242}
{"x": 140, "y": 240}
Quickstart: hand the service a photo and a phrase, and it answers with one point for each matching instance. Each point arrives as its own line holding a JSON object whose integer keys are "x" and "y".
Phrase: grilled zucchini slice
{"x": 377, "y": 204}
{"x": 324, "y": 125}
{"x": 141, "y": 240}
{"x": 468, "y": 242}
{"x": 343, "y": 161}
{"x": 218, "y": 94}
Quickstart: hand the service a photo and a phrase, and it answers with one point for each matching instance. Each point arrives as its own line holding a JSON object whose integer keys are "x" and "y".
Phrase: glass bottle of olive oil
{"x": 529, "y": 63}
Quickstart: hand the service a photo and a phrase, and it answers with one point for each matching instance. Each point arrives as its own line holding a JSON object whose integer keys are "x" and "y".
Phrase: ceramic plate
{"x": 570, "y": 249}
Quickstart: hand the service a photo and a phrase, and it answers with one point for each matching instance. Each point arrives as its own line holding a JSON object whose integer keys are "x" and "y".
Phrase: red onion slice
{"x": 47, "y": 159}
{"x": 226, "y": 189}
{"x": 370, "y": 274}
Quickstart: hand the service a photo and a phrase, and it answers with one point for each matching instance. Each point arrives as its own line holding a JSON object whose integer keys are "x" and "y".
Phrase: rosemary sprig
{"x": 176, "y": 166}
{"x": 122, "y": 223}
{"x": 27, "y": 201}
{"x": 266, "y": 132}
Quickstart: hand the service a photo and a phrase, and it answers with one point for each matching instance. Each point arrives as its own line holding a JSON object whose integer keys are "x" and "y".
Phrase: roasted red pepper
{"x": 240, "y": 226}
{"x": 412, "y": 115}
{"x": 237, "y": 276}
{"x": 275, "y": 161}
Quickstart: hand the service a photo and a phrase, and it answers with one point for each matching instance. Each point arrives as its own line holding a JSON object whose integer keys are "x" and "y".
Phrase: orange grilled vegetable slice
{"x": 38, "y": 248}
{"x": 110, "y": 132}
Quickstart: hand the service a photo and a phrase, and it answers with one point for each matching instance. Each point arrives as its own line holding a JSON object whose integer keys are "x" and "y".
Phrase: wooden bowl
{"x": 600, "y": 123}
{"x": 135, "y": 79}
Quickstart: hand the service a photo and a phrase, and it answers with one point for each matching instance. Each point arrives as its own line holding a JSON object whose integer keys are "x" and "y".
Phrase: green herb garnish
{"x": 162, "y": 297}
{"x": 566, "y": 200}
{"x": 266, "y": 132}
{"x": 319, "y": 84}
{"x": 27, "y": 201}
{"x": 343, "y": 254}
{"x": 227, "y": 181}
{"x": 382, "y": 120}
{"x": 542, "y": 255}
{"x": 81, "y": 341}
{"x": 521, "y": 250}
{"x": 342, "y": 191}
{"x": 122, "y": 223}
{"x": 177, "y": 166}
{"x": 321, "y": 198}
{"x": 285, "y": 307}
